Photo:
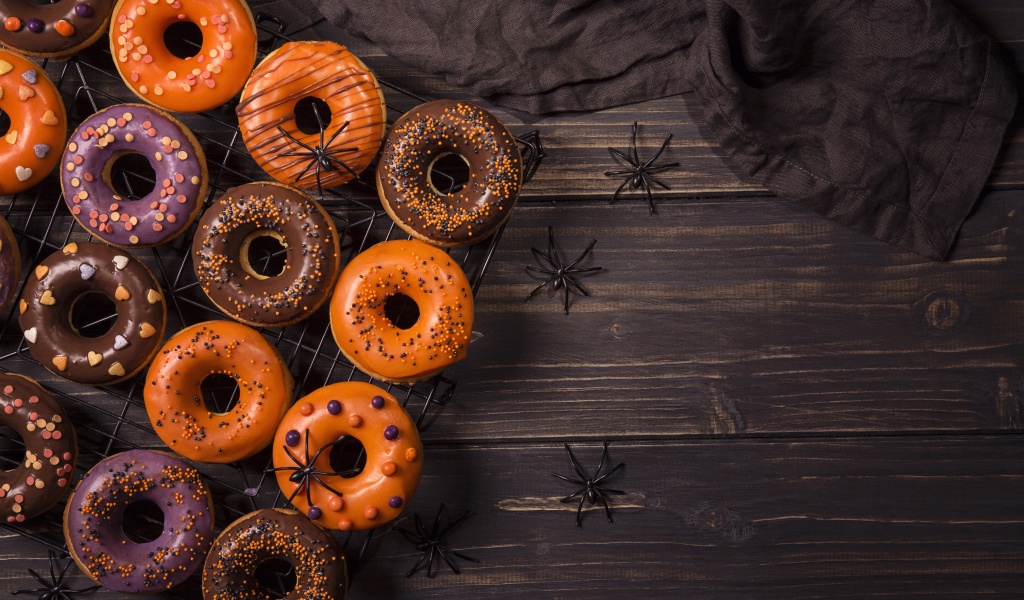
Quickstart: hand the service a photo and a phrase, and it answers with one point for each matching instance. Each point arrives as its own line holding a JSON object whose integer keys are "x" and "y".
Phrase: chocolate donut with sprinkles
{"x": 221, "y": 257}
{"x": 172, "y": 151}
{"x": 356, "y": 499}
{"x": 55, "y": 30}
{"x": 72, "y": 274}
{"x": 274, "y": 533}
{"x": 94, "y": 516}
{"x": 405, "y": 178}
{"x": 368, "y": 337}
{"x": 51, "y": 449}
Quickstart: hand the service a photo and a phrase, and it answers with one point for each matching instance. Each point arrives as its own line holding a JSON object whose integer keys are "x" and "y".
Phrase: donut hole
{"x": 220, "y": 393}
{"x": 402, "y": 311}
{"x": 306, "y": 111}
{"x": 12, "y": 449}
{"x": 348, "y": 457}
{"x": 143, "y": 522}
{"x": 130, "y": 175}
{"x": 276, "y": 577}
{"x": 264, "y": 254}
{"x": 448, "y": 173}
{"x": 93, "y": 314}
{"x": 183, "y": 39}
{"x": 5, "y": 122}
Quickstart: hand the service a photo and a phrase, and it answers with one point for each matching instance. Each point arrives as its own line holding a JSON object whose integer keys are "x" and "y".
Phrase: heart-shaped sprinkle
{"x": 153, "y": 296}
{"x": 71, "y": 248}
{"x": 121, "y": 293}
{"x": 87, "y": 270}
{"x": 30, "y": 335}
{"x": 47, "y": 298}
{"x": 41, "y": 150}
{"x": 41, "y": 271}
{"x": 23, "y": 173}
{"x": 95, "y": 358}
{"x": 5, "y": 67}
{"x": 116, "y": 370}
{"x": 146, "y": 330}
{"x": 120, "y": 262}
{"x": 29, "y": 76}
{"x": 25, "y": 92}
{"x": 49, "y": 118}
{"x": 12, "y": 136}
{"x": 120, "y": 342}
{"x": 22, "y": 306}
{"x": 60, "y": 361}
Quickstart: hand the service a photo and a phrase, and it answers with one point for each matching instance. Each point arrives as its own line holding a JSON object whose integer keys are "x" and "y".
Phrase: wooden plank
{"x": 749, "y": 316}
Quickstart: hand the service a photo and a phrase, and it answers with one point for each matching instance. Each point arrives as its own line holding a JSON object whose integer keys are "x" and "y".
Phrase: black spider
{"x": 433, "y": 543}
{"x": 592, "y": 489}
{"x": 56, "y": 588}
{"x": 562, "y": 276}
{"x": 306, "y": 471}
{"x": 640, "y": 175}
{"x": 319, "y": 155}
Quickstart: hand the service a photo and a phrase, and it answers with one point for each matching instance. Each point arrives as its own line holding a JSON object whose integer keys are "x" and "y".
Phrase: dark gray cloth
{"x": 883, "y": 115}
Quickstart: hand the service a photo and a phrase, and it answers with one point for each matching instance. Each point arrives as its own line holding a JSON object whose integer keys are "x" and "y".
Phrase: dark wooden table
{"x": 804, "y": 412}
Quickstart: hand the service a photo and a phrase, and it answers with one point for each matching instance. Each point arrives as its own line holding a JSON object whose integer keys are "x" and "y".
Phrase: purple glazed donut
{"x": 10, "y": 264}
{"x": 172, "y": 151}
{"x": 94, "y": 514}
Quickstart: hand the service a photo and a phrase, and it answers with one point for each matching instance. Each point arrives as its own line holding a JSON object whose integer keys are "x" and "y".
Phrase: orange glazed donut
{"x": 351, "y": 133}
{"x": 174, "y": 399}
{"x": 376, "y": 345}
{"x": 33, "y": 143}
{"x": 302, "y": 449}
{"x": 201, "y": 82}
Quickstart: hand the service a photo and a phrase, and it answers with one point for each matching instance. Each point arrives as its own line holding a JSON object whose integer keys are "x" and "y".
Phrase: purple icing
{"x": 395, "y": 502}
{"x": 291, "y": 438}
{"x": 41, "y": 150}
{"x": 153, "y": 219}
{"x": 377, "y": 402}
{"x": 390, "y": 432}
{"x": 35, "y": 25}
{"x": 94, "y": 521}
{"x": 83, "y": 10}
{"x": 29, "y": 76}
{"x": 334, "y": 407}
{"x": 314, "y": 513}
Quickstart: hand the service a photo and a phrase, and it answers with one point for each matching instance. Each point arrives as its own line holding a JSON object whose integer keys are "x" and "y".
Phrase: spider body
{"x": 305, "y": 473}
{"x": 592, "y": 490}
{"x": 559, "y": 275}
{"x": 56, "y": 588}
{"x": 640, "y": 175}
{"x": 433, "y": 542}
{"x": 320, "y": 156}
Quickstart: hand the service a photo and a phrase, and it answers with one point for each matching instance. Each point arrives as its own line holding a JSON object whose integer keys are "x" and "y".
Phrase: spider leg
{"x": 607, "y": 509}
{"x": 617, "y": 173}
{"x": 659, "y": 168}
{"x": 341, "y": 164}
{"x": 430, "y": 562}
{"x": 579, "y": 511}
{"x": 539, "y": 270}
{"x": 615, "y": 196}
{"x": 444, "y": 556}
{"x": 565, "y": 290}
{"x": 564, "y": 478}
{"x": 290, "y": 137}
{"x": 462, "y": 556}
{"x": 608, "y": 490}
{"x": 609, "y": 473}
{"x": 327, "y": 487}
{"x": 417, "y": 566}
{"x": 604, "y": 457}
{"x": 294, "y": 493}
{"x": 334, "y": 135}
{"x": 579, "y": 287}
{"x": 650, "y": 196}
{"x": 619, "y": 155}
{"x": 632, "y": 145}
{"x": 539, "y": 288}
{"x": 576, "y": 465}
{"x": 450, "y": 526}
{"x": 309, "y": 493}
{"x": 548, "y": 258}
{"x": 658, "y": 153}
{"x": 655, "y": 180}
{"x": 572, "y": 496}
{"x": 320, "y": 124}
{"x": 581, "y": 256}
{"x": 420, "y": 528}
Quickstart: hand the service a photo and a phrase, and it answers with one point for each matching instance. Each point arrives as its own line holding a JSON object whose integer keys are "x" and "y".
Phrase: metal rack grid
{"x": 113, "y": 419}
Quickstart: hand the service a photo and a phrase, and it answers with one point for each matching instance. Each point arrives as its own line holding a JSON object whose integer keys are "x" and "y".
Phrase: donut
{"x": 352, "y": 132}
{"x": 31, "y": 146}
{"x": 206, "y": 80}
{"x": 372, "y": 342}
{"x": 10, "y": 264}
{"x": 274, "y": 533}
{"x": 172, "y": 151}
{"x": 68, "y": 275}
{"x": 51, "y": 450}
{"x": 220, "y": 254}
{"x": 394, "y": 456}
{"x": 428, "y": 133}
{"x": 95, "y": 512}
{"x": 175, "y": 404}
{"x": 55, "y": 30}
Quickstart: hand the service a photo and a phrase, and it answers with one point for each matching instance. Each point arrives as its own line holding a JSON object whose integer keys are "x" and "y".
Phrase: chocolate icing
{"x": 220, "y": 254}
{"x": 170, "y": 148}
{"x": 270, "y": 533}
{"x": 94, "y": 514}
{"x": 64, "y": 277}
{"x": 10, "y": 264}
{"x": 50, "y": 449}
{"x": 429, "y": 132}
{"x": 85, "y": 25}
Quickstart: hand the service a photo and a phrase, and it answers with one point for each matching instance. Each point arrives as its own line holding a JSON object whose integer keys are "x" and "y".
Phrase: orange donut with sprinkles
{"x": 31, "y": 146}
{"x": 206, "y": 80}
{"x": 373, "y": 282}
{"x": 340, "y": 500}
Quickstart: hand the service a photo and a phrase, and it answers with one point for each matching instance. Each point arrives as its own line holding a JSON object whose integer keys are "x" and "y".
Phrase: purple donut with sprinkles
{"x": 173, "y": 153}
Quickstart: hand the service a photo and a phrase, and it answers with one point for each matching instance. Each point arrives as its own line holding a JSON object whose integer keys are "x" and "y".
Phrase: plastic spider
{"x": 320, "y": 155}
{"x": 56, "y": 588}
{"x": 304, "y": 473}
{"x": 592, "y": 489}
{"x": 640, "y": 175}
{"x": 433, "y": 543}
{"x": 561, "y": 276}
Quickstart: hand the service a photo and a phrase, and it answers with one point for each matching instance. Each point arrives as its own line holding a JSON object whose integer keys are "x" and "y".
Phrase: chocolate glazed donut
{"x": 220, "y": 254}
{"x": 50, "y": 449}
{"x": 66, "y": 276}
{"x": 428, "y": 133}
{"x": 53, "y": 30}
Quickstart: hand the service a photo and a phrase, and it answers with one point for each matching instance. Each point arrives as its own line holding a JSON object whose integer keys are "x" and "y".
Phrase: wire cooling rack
{"x": 113, "y": 419}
